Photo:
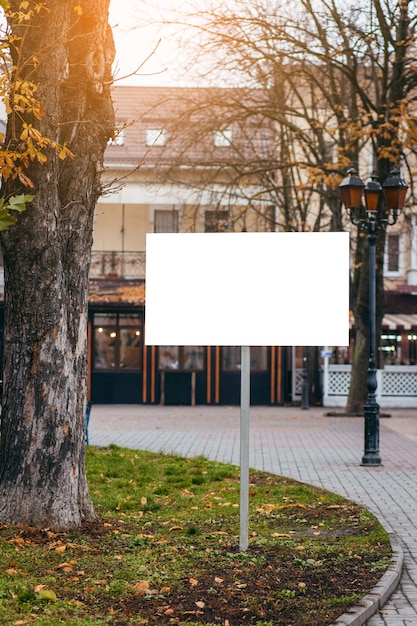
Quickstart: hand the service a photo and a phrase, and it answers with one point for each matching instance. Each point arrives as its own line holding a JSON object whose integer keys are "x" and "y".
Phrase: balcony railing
{"x": 117, "y": 264}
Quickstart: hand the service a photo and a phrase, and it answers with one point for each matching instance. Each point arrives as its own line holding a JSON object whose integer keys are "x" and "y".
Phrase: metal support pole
{"x": 304, "y": 389}
{"x": 244, "y": 447}
{"x": 371, "y": 408}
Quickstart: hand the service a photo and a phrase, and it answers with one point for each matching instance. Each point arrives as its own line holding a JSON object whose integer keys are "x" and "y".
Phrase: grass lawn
{"x": 166, "y": 551}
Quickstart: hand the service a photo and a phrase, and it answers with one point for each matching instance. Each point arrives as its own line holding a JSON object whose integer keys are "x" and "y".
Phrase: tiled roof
{"x": 190, "y": 137}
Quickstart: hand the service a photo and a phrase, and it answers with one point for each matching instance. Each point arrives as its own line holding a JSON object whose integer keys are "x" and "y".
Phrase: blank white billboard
{"x": 247, "y": 289}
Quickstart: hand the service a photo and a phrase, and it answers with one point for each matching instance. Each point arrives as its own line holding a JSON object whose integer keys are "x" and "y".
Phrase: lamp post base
{"x": 371, "y": 454}
{"x": 371, "y": 458}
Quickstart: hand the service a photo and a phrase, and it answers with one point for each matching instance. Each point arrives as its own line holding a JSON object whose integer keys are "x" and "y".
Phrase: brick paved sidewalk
{"x": 305, "y": 445}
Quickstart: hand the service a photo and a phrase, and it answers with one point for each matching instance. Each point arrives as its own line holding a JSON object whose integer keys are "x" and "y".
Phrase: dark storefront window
{"x": 181, "y": 358}
{"x": 231, "y": 358}
{"x": 390, "y": 348}
{"x": 117, "y": 341}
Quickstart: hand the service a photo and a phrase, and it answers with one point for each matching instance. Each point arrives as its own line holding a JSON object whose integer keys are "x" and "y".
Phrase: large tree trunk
{"x": 46, "y": 259}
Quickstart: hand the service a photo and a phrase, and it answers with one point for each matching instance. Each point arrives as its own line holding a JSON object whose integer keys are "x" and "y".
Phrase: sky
{"x": 135, "y": 42}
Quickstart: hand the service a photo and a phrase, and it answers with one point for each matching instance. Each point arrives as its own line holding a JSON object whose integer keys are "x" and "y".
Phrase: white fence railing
{"x": 397, "y": 386}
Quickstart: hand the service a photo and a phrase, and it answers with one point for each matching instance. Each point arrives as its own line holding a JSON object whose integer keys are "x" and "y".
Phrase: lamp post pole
{"x": 371, "y": 408}
{"x": 304, "y": 388}
{"x": 382, "y": 207}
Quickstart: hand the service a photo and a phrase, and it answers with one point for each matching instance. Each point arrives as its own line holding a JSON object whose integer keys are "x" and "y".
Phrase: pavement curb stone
{"x": 376, "y": 599}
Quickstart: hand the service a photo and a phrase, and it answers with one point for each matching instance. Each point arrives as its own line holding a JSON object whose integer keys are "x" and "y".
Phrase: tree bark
{"x": 46, "y": 260}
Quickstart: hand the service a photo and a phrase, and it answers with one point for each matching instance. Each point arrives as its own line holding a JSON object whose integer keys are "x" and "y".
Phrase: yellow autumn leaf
{"x": 47, "y": 594}
{"x": 25, "y": 133}
{"x": 41, "y": 158}
{"x": 193, "y": 582}
{"x": 25, "y": 179}
{"x": 65, "y": 152}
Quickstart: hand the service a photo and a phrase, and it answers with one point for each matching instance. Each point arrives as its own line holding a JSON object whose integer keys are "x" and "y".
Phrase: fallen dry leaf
{"x": 60, "y": 548}
{"x": 143, "y": 585}
{"x": 200, "y": 604}
{"x": 193, "y": 582}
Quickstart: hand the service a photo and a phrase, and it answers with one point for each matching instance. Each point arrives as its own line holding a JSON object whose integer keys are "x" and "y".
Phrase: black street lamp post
{"x": 382, "y": 207}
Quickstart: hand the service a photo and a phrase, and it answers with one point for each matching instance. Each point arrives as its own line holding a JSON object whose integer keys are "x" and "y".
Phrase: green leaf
{"x": 47, "y": 594}
{"x": 6, "y": 220}
{"x": 18, "y": 203}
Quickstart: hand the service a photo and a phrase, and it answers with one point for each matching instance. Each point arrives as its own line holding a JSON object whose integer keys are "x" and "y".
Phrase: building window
{"x": 393, "y": 254}
{"x": 223, "y": 138}
{"x": 119, "y": 136}
{"x": 181, "y": 358}
{"x": 165, "y": 221}
{"x": 216, "y": 221}
{"x": 155, "y": 137}
{"x": 231, "y": 357}
{"x": 117, "y": 341}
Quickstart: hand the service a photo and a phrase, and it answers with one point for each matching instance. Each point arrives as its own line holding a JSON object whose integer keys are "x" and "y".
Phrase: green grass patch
{"x": 166, "y": 551}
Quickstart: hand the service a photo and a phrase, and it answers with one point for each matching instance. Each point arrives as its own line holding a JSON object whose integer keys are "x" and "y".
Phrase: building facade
{"x": 166, "y": 174}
